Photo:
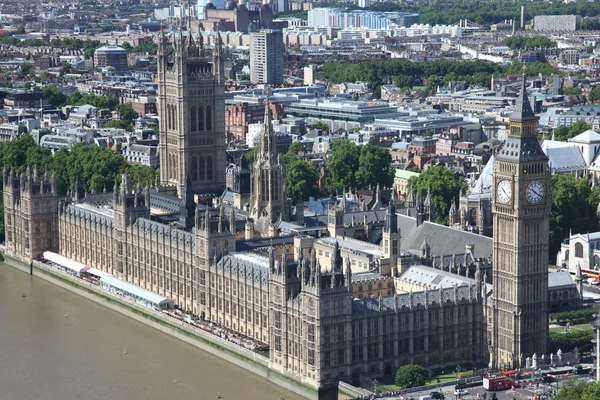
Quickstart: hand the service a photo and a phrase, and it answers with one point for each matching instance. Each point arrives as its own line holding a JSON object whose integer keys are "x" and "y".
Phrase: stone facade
{"x": 192, "y": 116}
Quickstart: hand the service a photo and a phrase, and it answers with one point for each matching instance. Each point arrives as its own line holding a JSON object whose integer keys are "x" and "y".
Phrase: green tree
{"x": 119, "y": 124}
{"x": 143, "y": 174}
{"x": 322, "y": 126}
{"x": 25, "y": 68}
{"x": 571, "y": 390}
{"x": 410, "y": 375}
{"x": 572, "y": 91}
{"x": 591, "y": 392}
{"x": 54, "y": 96}
{"x": 404, "y": 81}
{"x": 563, "y": 133}
{"x": 594, "y": 94}
{"x": 443, "y": 185}
{"x": 127, "y": 112}
{"x": 301, "y": 180}
{"x": 251, "y": 155}
{"x": 432, "y": 83}
{"x": 574, "y": 207}
{"x": 342, "y": 165}
{"x": 292, "y": 153}
{"x": 374, "y": 167}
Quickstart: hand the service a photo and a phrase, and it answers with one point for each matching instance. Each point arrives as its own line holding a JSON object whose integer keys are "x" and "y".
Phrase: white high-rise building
{"x": 364, "y": 3}
{"x": 266, "y": 57}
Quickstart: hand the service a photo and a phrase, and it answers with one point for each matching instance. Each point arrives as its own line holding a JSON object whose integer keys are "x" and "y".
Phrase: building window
{"x": 200, "y": 118}
{"x": 193, "y": 119}
{"x": 208, "y": 118}
{"x": 209, "y": 168}
{"x": 578, "y": 250}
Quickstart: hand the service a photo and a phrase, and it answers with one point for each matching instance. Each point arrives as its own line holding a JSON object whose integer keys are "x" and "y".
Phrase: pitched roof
{"x": 522, "y": 109}
{"x": 565, "y": 159}
{"x": 589, "y": 136}
{"x": 444, "y": 240}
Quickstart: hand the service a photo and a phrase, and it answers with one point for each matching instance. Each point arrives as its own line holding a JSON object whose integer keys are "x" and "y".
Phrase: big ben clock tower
{"x": 521, "y": 208}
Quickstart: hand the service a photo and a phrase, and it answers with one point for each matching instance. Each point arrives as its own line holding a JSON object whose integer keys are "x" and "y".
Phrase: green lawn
{"x": 446, "y": 378}
{"x": 574, "y": 328}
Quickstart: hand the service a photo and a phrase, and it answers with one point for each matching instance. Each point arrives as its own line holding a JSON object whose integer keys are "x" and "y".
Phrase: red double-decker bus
{"x": 497, "y": 382}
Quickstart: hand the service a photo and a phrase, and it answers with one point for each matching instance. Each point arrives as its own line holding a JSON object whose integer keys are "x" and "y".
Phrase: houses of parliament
{"x": 349, "y": 294}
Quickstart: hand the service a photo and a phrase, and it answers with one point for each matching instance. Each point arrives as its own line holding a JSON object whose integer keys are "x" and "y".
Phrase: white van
{"x": 426, "y": 397}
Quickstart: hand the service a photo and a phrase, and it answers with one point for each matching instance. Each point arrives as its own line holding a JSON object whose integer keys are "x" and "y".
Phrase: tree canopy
{"x": 574, "y": 209}
{"x": 98, "y": 167}
{"x": 435, "y": 73}
{"x": 301, "y": 177}
{"x": 528, "y": 42}
{"x": 564, "y": 133}
{"x": 444, "y": 187}
{"x": 358, "y": 167}
{"x": 580, "y": 390}
{"x": 410, "y": 375}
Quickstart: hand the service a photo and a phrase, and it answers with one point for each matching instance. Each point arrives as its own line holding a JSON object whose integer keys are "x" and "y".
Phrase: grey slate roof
{"x": 249, "y": 265}
{"x": 408, "y": 300}
{"x": 444, "y": 240}
{"x": 559, "y": 279}
{"x": 566, "y": 159}
{"x": 248, "y": 245}
{"x": 522, "y": 109}
{"x": 434, "y": 278}
{"x": 165, "y": 231}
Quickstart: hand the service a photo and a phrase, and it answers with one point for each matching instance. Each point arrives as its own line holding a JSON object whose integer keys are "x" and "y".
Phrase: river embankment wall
{"x": 245, "y": 358}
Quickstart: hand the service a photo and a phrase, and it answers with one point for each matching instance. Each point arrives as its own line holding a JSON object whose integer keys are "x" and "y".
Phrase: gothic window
{"x": 209, "y": 167}
{"x": 596, "y": 260}
{"x": 263, "y": 187}
{"x": 200, "y": 118}
{"x": 578, "y": 250}
{"x": 208, "y": 118}
{"x": 201, "y": 169}
{"x": 168, "y": 116}
{"x": 194, "y": 168}
{"x": 174, "y": 117}
{"x": 275, "y": 189}
{"x": 193, "y": 119}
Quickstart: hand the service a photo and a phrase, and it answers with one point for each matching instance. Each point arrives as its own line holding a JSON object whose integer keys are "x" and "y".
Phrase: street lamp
{"x": 596, "y": 325}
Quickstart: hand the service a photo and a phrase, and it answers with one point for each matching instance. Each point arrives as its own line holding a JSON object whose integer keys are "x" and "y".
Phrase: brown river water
{"x": 45, "y": 355}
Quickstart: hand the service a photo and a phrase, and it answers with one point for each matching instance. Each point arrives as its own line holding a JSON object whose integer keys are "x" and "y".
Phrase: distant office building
{"x": 266, "y": 57}
{"x": 283, "y": 6}
{"x": 111, "y": 56}
{"x": 364, "y": 3}
{"x": 548, "y": 23}
{"x": 335, "y": 17}
{"x": 219, "y": 4}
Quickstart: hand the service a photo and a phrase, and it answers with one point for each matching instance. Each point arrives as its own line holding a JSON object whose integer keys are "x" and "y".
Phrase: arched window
{"x": 208, "y": 118}
{"x": 578, "y": 250}
{"x": 193, "y": 119}
{"x": 201, "y": 169}
{"x": 209, "y": 168}
{"x": 175, "y": 117}
{"x": 168, "y": 117}
{"x": 200, "y": 118}
{"x": 567, "y": 255}
{"x": 596, "y": 261}
{"x": 194, "y": 168}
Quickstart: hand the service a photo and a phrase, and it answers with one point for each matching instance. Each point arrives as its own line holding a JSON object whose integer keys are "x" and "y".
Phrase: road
{"x": 525, "y": 393}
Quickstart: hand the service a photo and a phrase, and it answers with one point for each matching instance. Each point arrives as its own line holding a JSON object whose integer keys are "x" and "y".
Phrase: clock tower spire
{"x": 521, "y": 210}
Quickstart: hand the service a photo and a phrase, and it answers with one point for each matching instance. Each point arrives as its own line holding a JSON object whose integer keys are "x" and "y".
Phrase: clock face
{"x": 535, "y": 192}
{"x": 504, "y": 192}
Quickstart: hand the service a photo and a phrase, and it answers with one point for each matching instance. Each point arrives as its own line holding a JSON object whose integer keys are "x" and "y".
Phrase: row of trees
{"x": 579, "y": 390}
{"x": 406, "y": 74}
{"x": 574, "y": 317}
{"x": 98, "y": 167}
{"x": 59, "y": 99}
{"x": 529, "y": 42}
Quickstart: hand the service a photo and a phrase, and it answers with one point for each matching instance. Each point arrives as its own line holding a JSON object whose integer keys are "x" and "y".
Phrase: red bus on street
{"x": 497, "y": 382}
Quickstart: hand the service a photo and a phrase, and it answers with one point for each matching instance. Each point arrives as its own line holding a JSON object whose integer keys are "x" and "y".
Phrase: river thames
{"x": 45, "y": 355}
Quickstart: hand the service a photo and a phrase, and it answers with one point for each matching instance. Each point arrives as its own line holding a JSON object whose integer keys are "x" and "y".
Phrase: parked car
{"x": 437, "y": 395}
{"x": 461, "y": 392}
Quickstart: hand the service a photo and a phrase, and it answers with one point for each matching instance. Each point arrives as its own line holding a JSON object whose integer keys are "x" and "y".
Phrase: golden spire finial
{"x": 524, "y": 68}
